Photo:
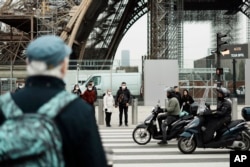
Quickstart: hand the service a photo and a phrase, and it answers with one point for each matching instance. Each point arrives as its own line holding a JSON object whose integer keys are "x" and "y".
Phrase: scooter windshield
{"x": 194, "y": 123}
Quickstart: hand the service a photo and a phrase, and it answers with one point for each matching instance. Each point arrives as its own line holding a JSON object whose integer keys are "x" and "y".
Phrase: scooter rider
{"x": 216, "y": 119}
{"x": 171, "y": 114}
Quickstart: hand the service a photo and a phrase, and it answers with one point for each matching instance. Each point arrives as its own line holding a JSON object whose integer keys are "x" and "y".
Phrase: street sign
{"x": 237, "y": 51}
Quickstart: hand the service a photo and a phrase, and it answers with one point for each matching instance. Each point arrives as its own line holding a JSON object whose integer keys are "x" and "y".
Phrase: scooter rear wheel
{"x": 246, "y": 141}
{"x": 141, "y": 136}
{"x": 187, "y": 145}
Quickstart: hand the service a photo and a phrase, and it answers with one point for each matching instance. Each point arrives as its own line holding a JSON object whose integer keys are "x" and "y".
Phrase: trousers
{"x": 123, "y": 109}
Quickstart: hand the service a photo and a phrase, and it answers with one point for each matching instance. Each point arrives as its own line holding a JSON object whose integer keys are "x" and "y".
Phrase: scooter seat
{"x": 187, "y": 117}
{"x": 235, "y": 122}
{"x": 231, "y": 124}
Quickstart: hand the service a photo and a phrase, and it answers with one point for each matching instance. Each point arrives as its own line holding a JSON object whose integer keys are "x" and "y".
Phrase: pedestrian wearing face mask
{"x": 123, "y": 99}
{"x": 76, "y": 90}
{"x": 108, "y": 104}
{"x": 94, "y": 88}
{"x": 89, "y": 95}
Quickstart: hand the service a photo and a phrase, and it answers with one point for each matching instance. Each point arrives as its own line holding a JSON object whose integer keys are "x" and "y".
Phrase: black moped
{"x": 235, "y": 135}
{"x": 150, "y": 128}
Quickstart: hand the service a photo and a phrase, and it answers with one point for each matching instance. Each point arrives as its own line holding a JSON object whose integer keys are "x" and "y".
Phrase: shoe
{"x": 108, "y": 125}
{"x": 120, "y": 125}
{"x": 126, "y": 124}
{"x": 162, "y": 142}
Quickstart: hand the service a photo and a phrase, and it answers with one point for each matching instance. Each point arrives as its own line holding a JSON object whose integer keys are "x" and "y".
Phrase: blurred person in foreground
{"x": 47, "y": 63}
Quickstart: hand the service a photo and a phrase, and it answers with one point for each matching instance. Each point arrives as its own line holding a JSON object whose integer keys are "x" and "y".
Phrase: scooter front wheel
{"x": 187, "y": 145}
{"x": 141, "y": 136}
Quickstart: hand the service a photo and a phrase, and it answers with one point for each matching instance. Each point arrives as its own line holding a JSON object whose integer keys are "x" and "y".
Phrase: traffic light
{"x": 219, "y": 71}
{"x": 220, "y": 42}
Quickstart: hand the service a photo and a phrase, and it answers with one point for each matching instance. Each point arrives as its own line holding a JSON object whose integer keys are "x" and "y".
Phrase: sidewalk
{"x": 143, "y": 112}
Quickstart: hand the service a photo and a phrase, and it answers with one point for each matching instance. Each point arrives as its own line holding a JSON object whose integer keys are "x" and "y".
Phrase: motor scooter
{"x": 150, "y": 128}
{"x": 235, "y": 135}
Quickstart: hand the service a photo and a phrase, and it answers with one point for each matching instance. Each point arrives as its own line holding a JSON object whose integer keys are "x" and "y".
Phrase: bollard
{"x": 234, "y": 108}
{"x": 100, "y": 112}
{"x": 134, "y": 111}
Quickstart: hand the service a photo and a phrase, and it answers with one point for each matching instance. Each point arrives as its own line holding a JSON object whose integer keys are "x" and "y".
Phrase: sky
{"x": 197, "y": 39}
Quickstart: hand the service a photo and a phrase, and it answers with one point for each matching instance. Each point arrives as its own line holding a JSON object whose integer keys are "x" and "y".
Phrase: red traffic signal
{"x": 219, "y": 71}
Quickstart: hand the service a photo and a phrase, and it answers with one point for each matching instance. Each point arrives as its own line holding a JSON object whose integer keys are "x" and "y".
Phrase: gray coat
{"x": 173, "y": 106}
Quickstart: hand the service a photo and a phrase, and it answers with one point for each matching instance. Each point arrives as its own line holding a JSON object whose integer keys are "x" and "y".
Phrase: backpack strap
{"x": 56, "y": 104}
{"x": 50, "y": 109}
{"x": 9, "y": 107}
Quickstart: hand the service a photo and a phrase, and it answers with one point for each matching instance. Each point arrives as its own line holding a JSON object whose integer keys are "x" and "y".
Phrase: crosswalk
{"x": 129, "y": 154}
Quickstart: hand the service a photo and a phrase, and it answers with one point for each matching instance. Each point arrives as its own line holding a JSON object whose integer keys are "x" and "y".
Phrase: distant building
{"x": 125, "y": 58}
{"x": 234, "y": 50}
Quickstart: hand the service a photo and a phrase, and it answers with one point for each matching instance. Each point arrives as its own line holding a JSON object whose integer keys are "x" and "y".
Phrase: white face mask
{"x": 89, "y": 88}
{"x": 109, "y": 93}
{"x": 123, "y": 87}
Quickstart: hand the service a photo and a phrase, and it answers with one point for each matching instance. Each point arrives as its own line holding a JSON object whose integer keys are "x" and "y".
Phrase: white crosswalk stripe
{"x": 129, "y": 154}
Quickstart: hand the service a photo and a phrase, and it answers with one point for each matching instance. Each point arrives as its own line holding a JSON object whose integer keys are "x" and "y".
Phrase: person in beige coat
{"x": 108, "y": 104}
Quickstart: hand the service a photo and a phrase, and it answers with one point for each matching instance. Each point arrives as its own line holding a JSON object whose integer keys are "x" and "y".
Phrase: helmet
{"x": 169, "y": 90}
{"x": 224, "y": 91}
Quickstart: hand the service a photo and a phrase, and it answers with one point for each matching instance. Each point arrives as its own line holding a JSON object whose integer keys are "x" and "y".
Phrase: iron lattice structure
{"x": 23, "y": 20}
{"x": 94, "y": 28}
{"x": 166, "y": 27}
{"x": 166, "y": 30}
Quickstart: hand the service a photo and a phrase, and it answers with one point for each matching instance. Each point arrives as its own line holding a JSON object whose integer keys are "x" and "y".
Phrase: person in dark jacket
{"x": 123, "y": 99}
{"x": 19, "y": 87}
{"x": 219, "y": 118}
{"x": 186, "y": 101}
{"x": 177, "y": 94}
{"x": 47, "y": 64}
{"x": 76, "y": 90}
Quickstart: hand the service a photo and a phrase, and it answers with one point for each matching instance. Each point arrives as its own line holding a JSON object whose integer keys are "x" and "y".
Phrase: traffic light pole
{"x": 218, "y": 61}
{"x": 219, "y": 37}
{"x": 234, "y": 78}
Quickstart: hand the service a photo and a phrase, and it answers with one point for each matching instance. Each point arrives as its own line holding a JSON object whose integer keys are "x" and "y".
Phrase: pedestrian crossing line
{"x": 127, "y": 153}
{"x": 172, "y": 157}
{"x": 116, "y": 129}
{"x": 130, "y": 142}
{"x": 197, "y": 164}
{"x": 169, "y": 150}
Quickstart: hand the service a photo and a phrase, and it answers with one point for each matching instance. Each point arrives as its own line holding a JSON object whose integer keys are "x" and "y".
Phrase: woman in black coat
{"x": 186, "y": 101}
{"x": 76, "y": 90}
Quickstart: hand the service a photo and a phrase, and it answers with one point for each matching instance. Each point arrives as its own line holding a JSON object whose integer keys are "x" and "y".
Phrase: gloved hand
{"x": 207, "y": 112}
{"x": 106, "y": 109}
{"x": 160, "y": 110}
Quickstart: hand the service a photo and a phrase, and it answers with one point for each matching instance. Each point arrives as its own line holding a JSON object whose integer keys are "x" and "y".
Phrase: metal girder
{"x": 104, "y": 25}
{"x": 245, "y": 8}
{"x": 111, "y": 26}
